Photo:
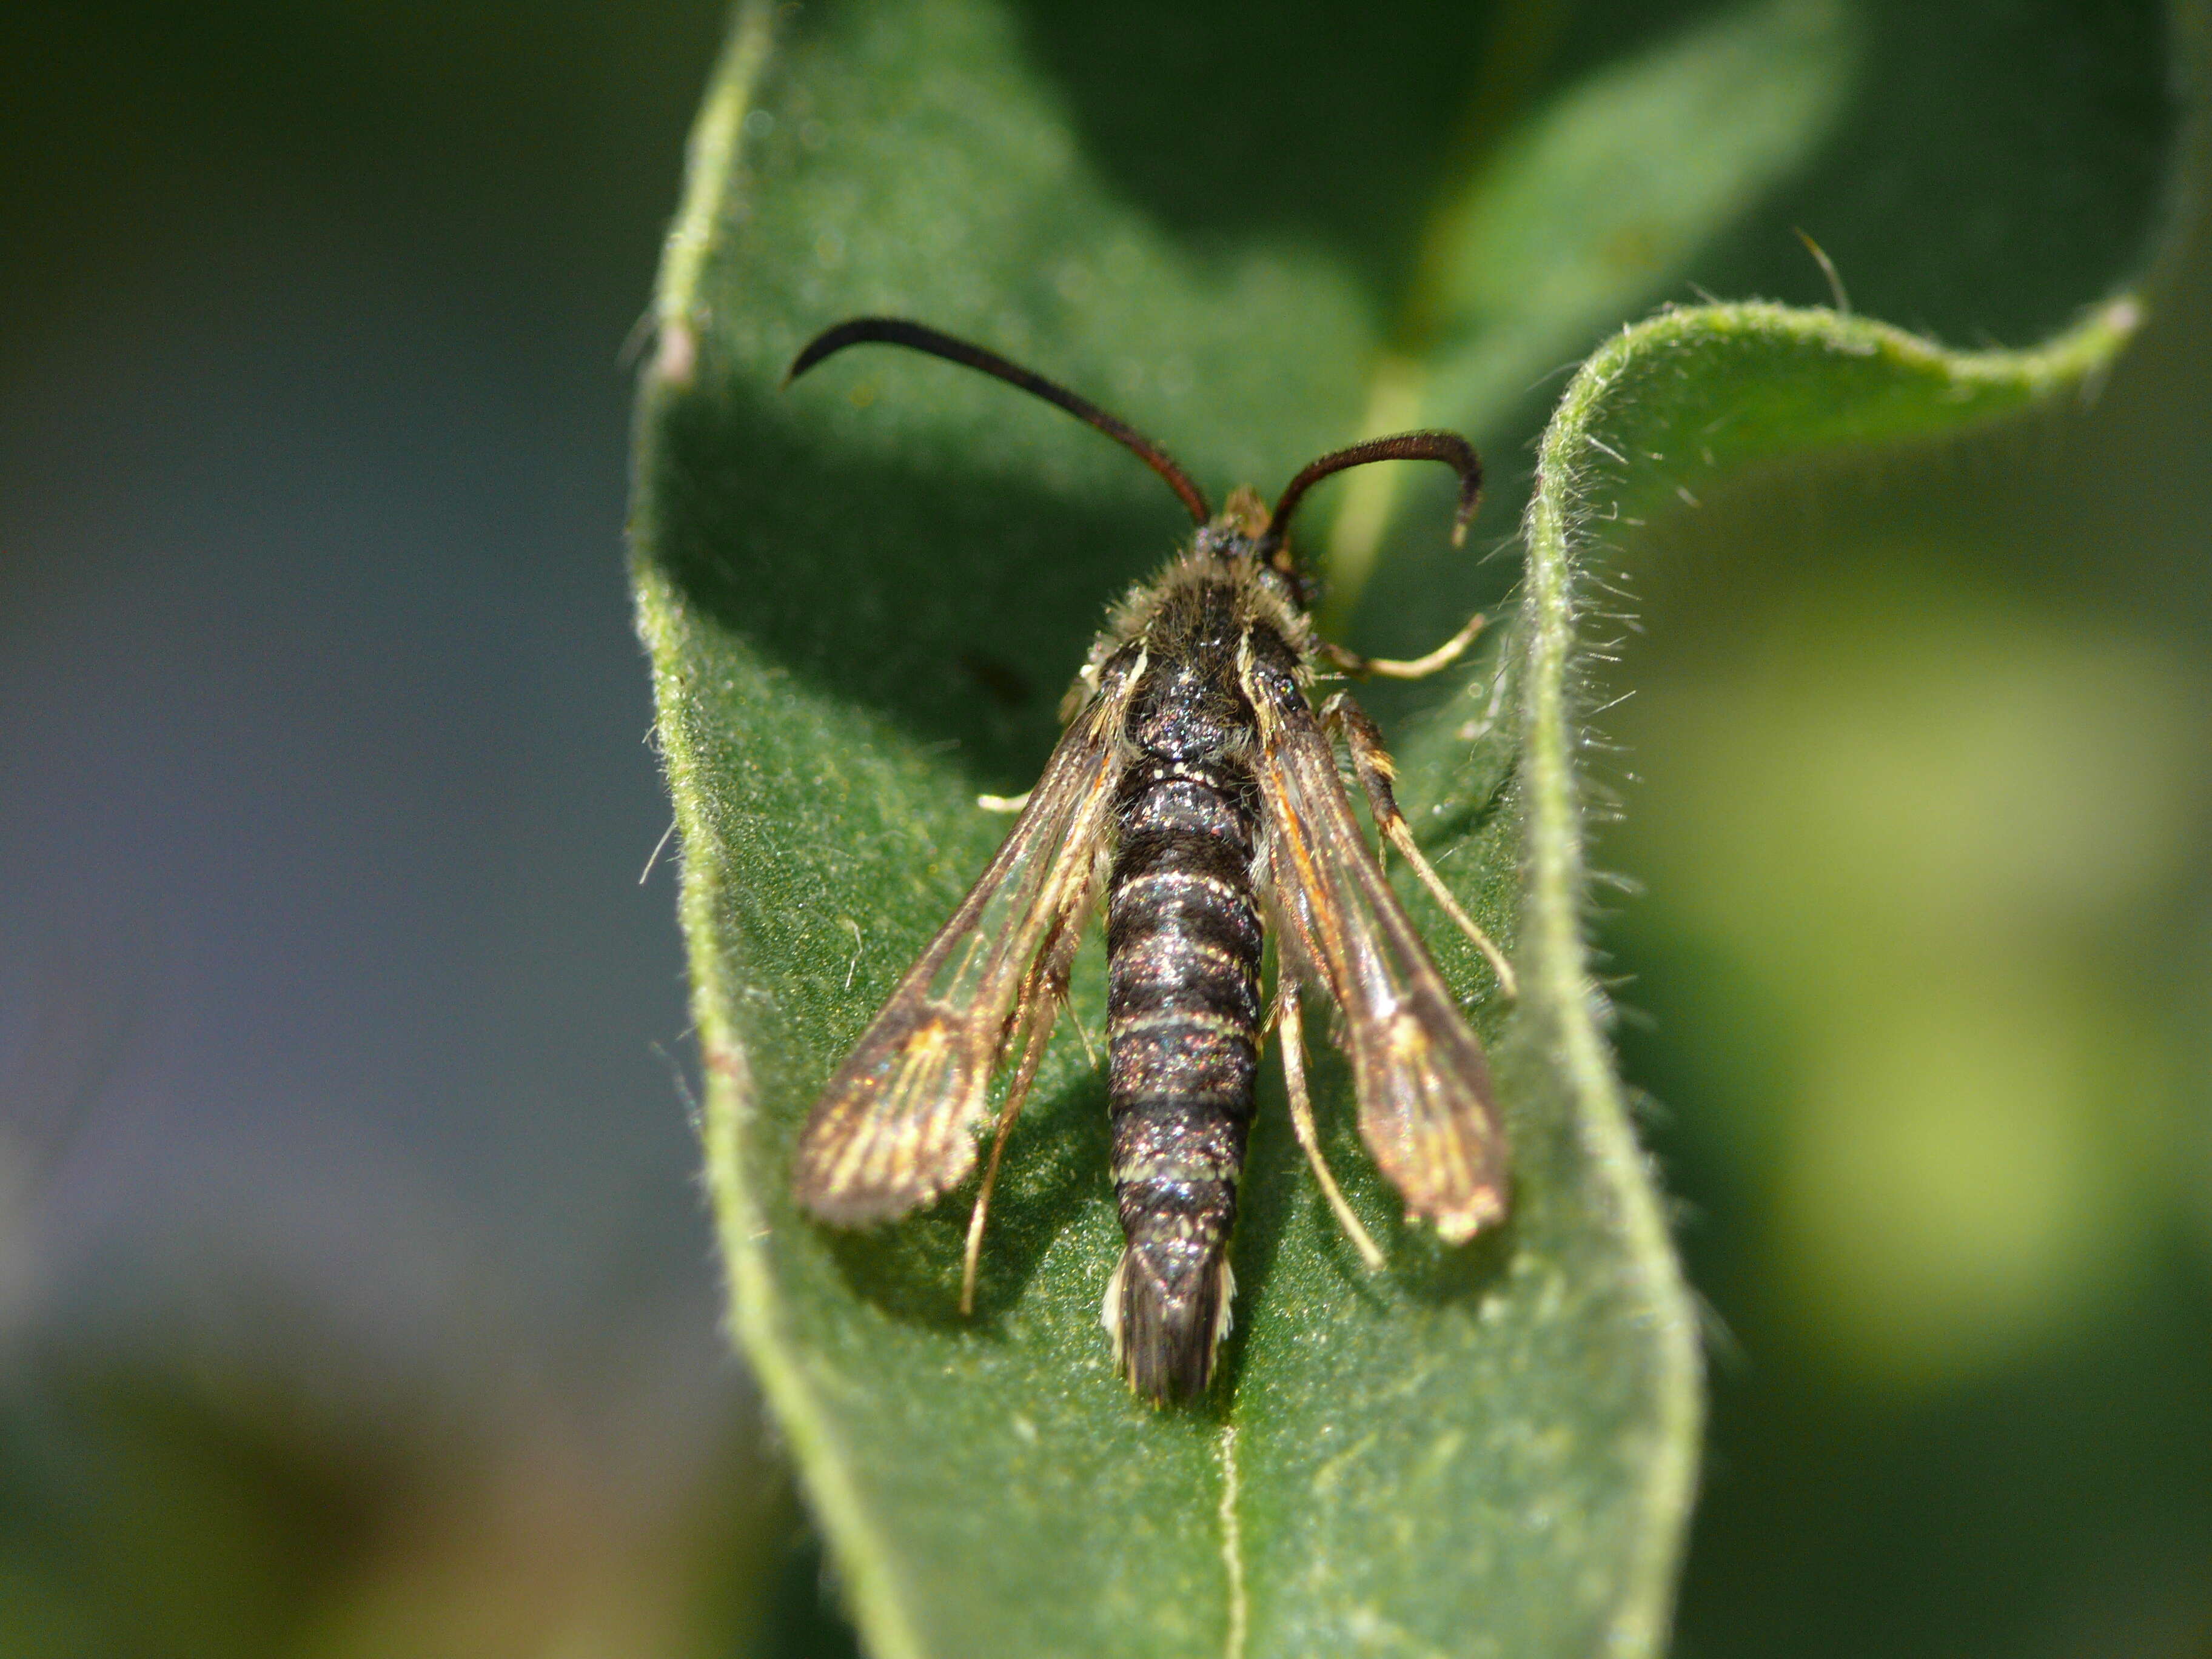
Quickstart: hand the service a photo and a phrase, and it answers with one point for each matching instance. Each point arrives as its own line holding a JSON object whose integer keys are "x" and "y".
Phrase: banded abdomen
{"x": 1182, "y": 942}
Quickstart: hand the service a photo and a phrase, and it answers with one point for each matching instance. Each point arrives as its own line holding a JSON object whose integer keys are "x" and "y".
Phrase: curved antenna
{"x": 893, "y": 330}
{"x": 1454, "y": 450}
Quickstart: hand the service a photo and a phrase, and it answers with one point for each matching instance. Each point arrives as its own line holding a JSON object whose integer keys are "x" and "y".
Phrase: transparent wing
{"x": 1427, "y": 1110}
{"x": 897, "y": 1125}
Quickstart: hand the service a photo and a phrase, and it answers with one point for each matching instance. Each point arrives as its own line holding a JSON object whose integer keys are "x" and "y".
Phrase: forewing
{"x": 1427, "y": 1110}
{"x": 895, "y": 1125}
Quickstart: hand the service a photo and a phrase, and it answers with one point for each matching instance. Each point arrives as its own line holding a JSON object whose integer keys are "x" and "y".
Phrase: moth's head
{"x": 1244, "y": 530}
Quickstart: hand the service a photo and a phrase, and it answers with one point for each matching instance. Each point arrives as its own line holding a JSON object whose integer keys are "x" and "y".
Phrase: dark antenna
{"x": 1454, "y": 450}
{"x": 893, "y": 330}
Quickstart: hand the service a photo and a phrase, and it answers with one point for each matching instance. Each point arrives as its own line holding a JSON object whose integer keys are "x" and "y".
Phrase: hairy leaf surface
{"x": 863, "y": 596}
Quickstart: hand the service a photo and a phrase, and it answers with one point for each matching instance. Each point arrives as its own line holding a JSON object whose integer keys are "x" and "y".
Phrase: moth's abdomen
{"x": 1183, "y": 940}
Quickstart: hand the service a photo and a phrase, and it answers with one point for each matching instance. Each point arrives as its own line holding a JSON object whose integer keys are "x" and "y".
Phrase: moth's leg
{"x": 1041, "y": 992}
{"x": 1373, "y": 764}
{"x": 1089, "y": 1048}
{"x": 1004, "y": 803}
{"x": 1292, "y": 1031}
{"x": 1103, "y": 865}
{"x": 1406, "y": 668}
{"x": 1032, "y": 1055}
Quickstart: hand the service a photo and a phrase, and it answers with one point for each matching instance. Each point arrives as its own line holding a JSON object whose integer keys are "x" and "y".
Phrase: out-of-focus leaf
{"x": 1586, "y": 214}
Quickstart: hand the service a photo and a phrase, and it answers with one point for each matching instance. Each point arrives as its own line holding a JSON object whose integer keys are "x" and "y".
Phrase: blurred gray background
{"x": 355, "y": 1286}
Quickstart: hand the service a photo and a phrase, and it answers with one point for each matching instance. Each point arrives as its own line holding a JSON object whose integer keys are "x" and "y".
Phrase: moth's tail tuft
{"x": 1166, "y": 1335}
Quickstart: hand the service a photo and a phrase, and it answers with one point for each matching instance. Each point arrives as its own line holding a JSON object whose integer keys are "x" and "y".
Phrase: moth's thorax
{"x": 1217, "y": 598}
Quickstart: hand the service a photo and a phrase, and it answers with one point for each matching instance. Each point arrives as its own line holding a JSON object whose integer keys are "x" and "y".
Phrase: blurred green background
{"x": 355, "y": 1292}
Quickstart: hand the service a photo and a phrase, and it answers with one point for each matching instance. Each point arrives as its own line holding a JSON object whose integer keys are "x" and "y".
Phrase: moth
{"x": 1196, "y": 786}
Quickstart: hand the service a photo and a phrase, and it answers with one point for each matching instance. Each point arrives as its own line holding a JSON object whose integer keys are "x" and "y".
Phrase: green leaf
{"x": 862, "y": 599}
